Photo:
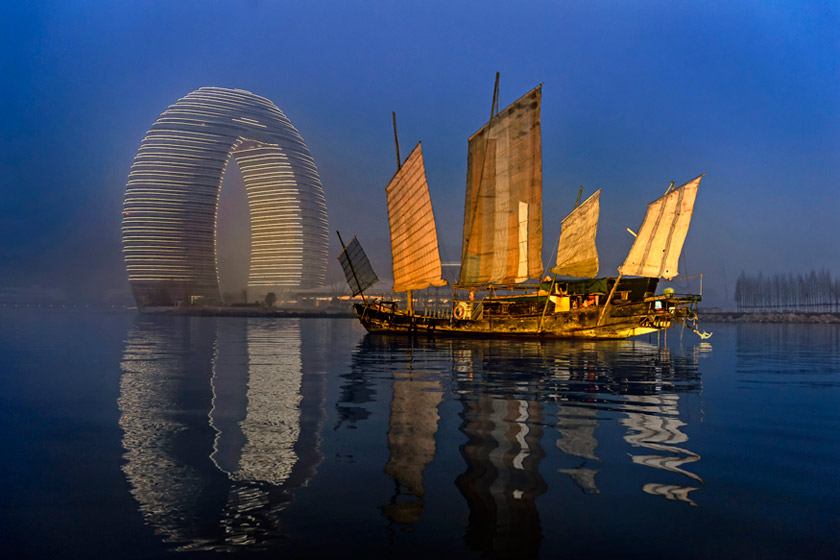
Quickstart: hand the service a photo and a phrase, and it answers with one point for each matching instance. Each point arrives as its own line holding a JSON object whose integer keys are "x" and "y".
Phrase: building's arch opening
{"x": 233, "y": 236}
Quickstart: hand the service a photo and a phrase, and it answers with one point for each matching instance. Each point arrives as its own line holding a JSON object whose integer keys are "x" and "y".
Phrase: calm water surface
{"x": 140, "y": 437}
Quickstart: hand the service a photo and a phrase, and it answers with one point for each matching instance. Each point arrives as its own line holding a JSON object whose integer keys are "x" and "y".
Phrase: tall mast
{"x": 408, "y": 295}
{"x": 396, "y": 140}
{"x": 494, "y": 105}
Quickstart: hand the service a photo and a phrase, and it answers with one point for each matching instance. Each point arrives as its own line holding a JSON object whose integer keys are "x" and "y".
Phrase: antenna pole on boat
{"x": 352, "y": 270}
{"x": 396, "y": 140}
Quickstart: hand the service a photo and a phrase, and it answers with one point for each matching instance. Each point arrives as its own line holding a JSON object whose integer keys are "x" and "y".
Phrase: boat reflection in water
{"x": 222, "y": 422}
{"x": 660, "y": 432}
{"x": 511, "y": 395}
{"x": 412, "y": 427}
{"x": 502, "y": 479}
{"x": 638, "y": 384}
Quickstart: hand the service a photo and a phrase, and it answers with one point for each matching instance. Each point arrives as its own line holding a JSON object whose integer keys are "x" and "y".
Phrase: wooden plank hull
{"x": 620, "y": 321}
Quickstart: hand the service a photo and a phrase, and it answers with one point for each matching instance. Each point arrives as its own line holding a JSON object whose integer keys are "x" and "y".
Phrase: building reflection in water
{"x": 220, "y": 424}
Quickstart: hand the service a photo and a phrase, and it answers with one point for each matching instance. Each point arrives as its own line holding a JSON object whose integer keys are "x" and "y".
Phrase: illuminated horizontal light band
{"x": 172, "y": 197}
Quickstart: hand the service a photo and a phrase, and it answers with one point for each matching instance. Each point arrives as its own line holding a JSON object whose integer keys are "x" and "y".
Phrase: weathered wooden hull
{"x": 620, "y": 321}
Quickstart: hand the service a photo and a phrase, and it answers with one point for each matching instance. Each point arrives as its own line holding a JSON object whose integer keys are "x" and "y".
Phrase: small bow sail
{"x": 357, "y": 269}
{"x": 577, "y": 254}
{"x": 656, "y": 251}
{"x": 414, "y": 243}
{"x": 502, "y": 241}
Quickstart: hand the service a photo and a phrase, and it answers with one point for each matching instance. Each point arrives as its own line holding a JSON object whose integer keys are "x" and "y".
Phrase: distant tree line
{"x": 815, "y": 291}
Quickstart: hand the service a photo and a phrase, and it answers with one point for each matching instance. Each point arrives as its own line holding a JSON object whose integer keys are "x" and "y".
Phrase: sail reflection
{"x": 502, "y": 480}
{"x": 502, "y": 419}
{"x": 576, "y": 427}
{"x": 637, "y": 383}
{"x": 658, "y": 429}
{"x": 416, "y": 393}
{"x": 220, "y": 424}
{"x": 589, "y": 387}
{"x": 411, "y": 441}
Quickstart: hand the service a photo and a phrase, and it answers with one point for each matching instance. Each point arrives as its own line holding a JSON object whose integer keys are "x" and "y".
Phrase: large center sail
{"x": 503, "y": 211}
{"x": 414, "y": 243}
{"x": 656, "y": 251}
{"x": 577, "y": 254}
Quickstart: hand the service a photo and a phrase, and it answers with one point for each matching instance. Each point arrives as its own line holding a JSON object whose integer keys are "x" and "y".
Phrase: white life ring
{"x": 460, "y": 310}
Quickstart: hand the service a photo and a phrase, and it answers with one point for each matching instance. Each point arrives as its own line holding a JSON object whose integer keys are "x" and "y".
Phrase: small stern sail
{"x": 577, "y": 254}
{"x": 656, "y": 251}
{"x": 503, "y": 211}
{"x": 414, "y": 243}
{"x": 357, "y": 269}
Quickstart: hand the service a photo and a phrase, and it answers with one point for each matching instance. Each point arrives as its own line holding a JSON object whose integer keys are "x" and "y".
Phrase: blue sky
{"x": 636, "y": 94}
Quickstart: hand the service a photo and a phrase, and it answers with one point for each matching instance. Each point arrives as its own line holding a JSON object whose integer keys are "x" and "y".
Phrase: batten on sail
{"x": 577, "y": 254}
{"x": 522, "y": 270}
{"x": 502, "y": 241}
{"x": 414, "y": 244}
{"x": 357, "y": 269}
{"x": 656, "y": 250}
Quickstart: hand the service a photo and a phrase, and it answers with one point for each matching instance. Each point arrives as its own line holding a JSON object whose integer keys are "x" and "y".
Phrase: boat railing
{"x": 436, "y": 313}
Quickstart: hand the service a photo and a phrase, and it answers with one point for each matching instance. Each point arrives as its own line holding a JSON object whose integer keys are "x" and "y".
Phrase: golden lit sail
{"x": 503, "y": 211}
{"x": 576, "y": 252}
{"x": 658, "y": 245}
{"x": 414, "y": 244}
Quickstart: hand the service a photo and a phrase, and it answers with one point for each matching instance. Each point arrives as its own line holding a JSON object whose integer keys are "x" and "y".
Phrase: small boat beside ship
{"x": 503, "y": 289}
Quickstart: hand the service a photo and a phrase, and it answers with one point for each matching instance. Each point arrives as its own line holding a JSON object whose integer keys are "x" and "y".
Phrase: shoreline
{"x": 290, "y": 313}
{"x": 790, "y": 317}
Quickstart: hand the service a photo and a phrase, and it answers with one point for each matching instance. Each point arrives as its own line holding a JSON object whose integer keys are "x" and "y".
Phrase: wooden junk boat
{"x": 501, "y": 256}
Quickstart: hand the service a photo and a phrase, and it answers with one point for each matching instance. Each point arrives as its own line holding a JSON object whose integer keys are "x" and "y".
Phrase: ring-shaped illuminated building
{"x": 172, "y": 200}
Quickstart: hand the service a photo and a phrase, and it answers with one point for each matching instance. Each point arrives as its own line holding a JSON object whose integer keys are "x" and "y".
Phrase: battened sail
{"x": 414, "y": 244}
{"x": 357, "y": 269}
{"x": 502, "y": 241}
{"x": 577, "y": 254}
{"x": 658, "y": 245}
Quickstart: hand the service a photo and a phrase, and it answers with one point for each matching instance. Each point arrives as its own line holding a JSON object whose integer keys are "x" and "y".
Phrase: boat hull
{"x": 619, "y": 321}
